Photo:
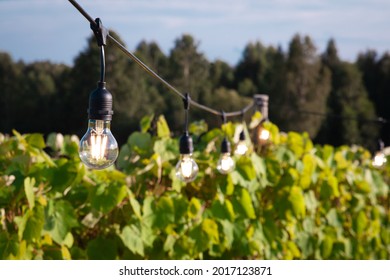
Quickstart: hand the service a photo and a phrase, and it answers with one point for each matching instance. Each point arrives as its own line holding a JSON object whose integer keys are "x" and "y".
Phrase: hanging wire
{"x": 186, "y": 103}
{"x": 156, "y": 76}
{"x": 102, "y": 65}
{"x": 379, "y": 120}
{"x": 223, "y": 117}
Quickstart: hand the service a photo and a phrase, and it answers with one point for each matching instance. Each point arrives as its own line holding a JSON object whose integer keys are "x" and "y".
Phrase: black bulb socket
{"x": 242, "y": 136}
{"x": 225, "y": 146}
{"x": 186, "y": 144}
{"x": 100, "y": 104}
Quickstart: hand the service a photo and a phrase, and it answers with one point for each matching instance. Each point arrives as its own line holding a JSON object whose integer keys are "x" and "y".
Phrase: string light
{"x": 263, "y": 135}
{"x": 225, "y": 163}
{"x": 241, "y": 147}
{"x": 186, "y": 168}
{"x": 380, "y": 157}
{"x": 98, "y": 147}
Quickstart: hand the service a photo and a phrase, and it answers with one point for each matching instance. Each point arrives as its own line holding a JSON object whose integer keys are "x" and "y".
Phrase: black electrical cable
{"x": 186, "y": 102}
{"x": 155, "y": 75}
{"x": 102, "y": 65}
{"x": 379, "y": 120}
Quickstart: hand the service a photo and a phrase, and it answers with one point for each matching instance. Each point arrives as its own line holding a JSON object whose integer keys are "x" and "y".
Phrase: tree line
{"x": 335, "y": 101}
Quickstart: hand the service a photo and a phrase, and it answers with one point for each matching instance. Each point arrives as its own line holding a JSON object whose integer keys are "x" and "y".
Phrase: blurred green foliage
{"x": 288, "y": 200}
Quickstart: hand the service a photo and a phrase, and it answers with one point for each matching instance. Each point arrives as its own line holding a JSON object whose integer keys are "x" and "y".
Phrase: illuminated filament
{"x": 241, "y": 148}
{"x": 225, "y": 164}
{"x": 264, "y": 134}
{"x": 98, "y": 141}
{"x": 379, "y": 159}
{"x": 186, "y": 167}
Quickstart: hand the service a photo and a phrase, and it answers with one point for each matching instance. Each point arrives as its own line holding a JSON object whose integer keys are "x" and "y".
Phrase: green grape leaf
{"x": 244, "y": 167}
{"x": 326, "y": 247}
{"x": 382, "y": 189}
{"x": 36, "y": 140}
{"x": 360, "y": 223}
{"x": 228, "y": 233}
{"x": 146, "y": 123}
{"x": 62, "y": 176}
{"x": 297, "y": 202}
{"x": 162, "y": 128}
{"x": 165, "y": 212}
{"x": 223, "y": 210}
{"x": 132, "y": 239}
{"x": 210, "y": 227}
{"x": 34, "y": 225}
{"x": 166, "y": 148}
{"x": 30, "y": 226}
{"x": 106, "y": 197}
{"x": 198, "y": 128}
{"x": 102, "y": 249}
{"x": 136, "y": 207}
{"x": 246, "y": 203}
{"x": 29, "y": 190}
{"x": 60, "y": 219}
{"x": 333, "y": 219}
{"x": 329, "y": 187}
{"x": 194, "y": 208}
{"x": 149, "y": 212}
{"x": 309, "y": 165}
{"x": 140, "y": 142}
{"x": 8, "y": 245}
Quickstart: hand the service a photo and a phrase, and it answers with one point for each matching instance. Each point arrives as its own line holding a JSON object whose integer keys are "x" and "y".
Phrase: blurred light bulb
{"x": 186, "y": 168}
{"x": 225, "y": 163}
{"x": 379, "y": 159}
{"x": 241, "y": 148}
{"x": 264, "y": 134}
{"x": 98, "y": 147}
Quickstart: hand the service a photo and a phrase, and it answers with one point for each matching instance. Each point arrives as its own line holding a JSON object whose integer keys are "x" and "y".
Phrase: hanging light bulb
{"x": 98, "y": 147}
{"x": 241, "y": 147}
{"x": 263, "y": 134}
{"x": 186, "y": 168}
{"x": 380, "y": 156}
{"x": 225, "y": 163}
{"x": 379, "y": 159}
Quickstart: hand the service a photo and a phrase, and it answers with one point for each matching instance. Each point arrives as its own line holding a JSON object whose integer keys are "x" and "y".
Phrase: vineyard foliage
{"x": 288, "y": 199}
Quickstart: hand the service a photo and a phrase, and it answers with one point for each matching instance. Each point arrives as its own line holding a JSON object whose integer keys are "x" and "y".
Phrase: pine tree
{"x": 348, "y": 105}
{"x": 188, "y": 72}
{"x": 307, "y": 87}
{"x": 376, "y": 77}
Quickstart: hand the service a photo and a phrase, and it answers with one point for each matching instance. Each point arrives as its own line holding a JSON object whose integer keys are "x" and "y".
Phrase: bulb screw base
{"x": 225, "y": 146}
{"x": 242, "y": 136}
{"x": 100, "y": 104}
{"x": 186, "y": 144}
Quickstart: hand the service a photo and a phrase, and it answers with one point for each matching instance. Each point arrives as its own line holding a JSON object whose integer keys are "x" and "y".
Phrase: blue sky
{"x": 54, "y": 30}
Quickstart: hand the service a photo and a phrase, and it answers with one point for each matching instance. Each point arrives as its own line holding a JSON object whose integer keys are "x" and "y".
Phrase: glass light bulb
{"x": 186, "y": 168}
{"x": 379, "y": 159}
{"x": 264, "y": 134}
{"x": 241, "y": 148}
{"x": 98, "y": 147}
{"x": 225, "y": 163}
